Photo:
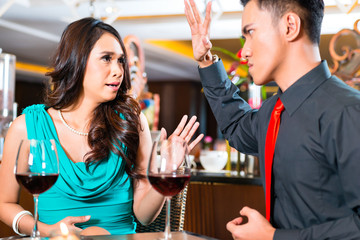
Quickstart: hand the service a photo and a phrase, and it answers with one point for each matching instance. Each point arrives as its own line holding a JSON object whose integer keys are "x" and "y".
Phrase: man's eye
{"x": 106, "y": 58}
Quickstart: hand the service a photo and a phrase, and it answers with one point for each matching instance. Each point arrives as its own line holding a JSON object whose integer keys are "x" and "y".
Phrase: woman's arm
{"x": 147, "y": 201}
{"x": 10, "y": 189}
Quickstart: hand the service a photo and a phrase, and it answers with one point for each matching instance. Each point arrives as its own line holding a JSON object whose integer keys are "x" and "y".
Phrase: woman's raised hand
{"x": 199, "y": 30}
{"x": 185, "y": 131}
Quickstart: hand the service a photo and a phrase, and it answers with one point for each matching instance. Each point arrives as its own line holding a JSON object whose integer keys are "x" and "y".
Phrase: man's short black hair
{"x": 311, "y": 13}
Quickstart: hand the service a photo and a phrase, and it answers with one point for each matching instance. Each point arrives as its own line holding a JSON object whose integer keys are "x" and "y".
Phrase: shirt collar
{"x": 298, "y": 92}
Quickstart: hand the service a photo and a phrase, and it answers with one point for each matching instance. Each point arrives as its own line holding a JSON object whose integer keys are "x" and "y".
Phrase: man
{"x": 312, "y": 184}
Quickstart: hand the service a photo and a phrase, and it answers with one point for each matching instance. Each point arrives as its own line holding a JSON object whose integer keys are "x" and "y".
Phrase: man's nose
{"x": 245, "y": 53}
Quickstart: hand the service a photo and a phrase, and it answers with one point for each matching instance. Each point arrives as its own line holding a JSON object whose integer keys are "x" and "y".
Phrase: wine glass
{"x": 169, "y": 171}
{"x": 37, "y": 169}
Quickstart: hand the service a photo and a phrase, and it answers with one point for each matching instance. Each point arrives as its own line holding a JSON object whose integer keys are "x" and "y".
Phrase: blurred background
{"x": 30, "y": 30}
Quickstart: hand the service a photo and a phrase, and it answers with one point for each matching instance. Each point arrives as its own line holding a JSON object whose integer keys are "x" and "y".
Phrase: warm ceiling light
{"x": 346, "y": 6}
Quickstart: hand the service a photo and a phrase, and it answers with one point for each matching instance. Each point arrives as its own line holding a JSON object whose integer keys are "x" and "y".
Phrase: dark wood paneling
{"x": 177, "y": 98}
{"x": 27, "y": 93}
{"x": 210, "y": 206}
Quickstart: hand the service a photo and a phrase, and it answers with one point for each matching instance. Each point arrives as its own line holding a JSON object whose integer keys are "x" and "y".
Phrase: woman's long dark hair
{"x": 109, "y": 132}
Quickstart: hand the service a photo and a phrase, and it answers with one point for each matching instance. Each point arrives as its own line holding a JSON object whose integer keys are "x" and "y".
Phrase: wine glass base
{"x": 30, "y": 238}
{"x": 35, "y": 234}
{"x": 165, "y": 236}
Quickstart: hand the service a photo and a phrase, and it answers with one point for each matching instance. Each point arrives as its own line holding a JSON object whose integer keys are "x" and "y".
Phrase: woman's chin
{"x": 92, "y": 231}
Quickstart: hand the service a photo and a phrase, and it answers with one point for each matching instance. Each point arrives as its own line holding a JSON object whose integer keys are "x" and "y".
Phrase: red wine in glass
{"x": 37, "y": 183}
{"x": 36, "y": 169}
{"x": 169, "y": 170}
{"x": 169, "y": 184}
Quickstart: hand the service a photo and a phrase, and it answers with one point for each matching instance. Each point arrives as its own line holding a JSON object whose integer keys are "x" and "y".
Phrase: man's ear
{"x": 292, "y": 26}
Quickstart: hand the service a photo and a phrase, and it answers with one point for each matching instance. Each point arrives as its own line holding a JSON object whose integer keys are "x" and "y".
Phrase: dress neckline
{"x": 57, "y": 136}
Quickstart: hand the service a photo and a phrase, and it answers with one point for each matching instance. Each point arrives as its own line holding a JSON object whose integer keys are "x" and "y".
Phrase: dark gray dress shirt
{"x": 316, "y": 169}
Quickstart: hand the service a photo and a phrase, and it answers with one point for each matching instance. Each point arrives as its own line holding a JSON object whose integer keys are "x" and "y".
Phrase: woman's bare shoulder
{"x": 18, "y": 127}
{"x": 143, "y": 119}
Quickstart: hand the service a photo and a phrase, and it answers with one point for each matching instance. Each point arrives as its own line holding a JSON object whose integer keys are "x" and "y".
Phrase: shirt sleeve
{"x": 344, "y": 228}
{"x": 235, "y": 118}
{"x": 340, "y": 139}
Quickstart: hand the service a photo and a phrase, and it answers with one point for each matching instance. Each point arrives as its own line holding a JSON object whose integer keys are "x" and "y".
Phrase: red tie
{"x": 270, "y": 142}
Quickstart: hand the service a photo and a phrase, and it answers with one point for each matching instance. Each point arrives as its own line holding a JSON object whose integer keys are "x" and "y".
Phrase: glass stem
{"x": 35, "y": 233}
{"x": 167, "y": 226}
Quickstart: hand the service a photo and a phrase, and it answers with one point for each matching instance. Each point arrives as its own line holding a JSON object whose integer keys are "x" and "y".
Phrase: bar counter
{"x": 215, "y": 198}
{"x": 224, "y": 177}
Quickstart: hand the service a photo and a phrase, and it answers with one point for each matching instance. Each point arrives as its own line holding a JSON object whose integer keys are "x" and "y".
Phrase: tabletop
{"x": 137, "y": 236}
{"x": 150, "y": 236}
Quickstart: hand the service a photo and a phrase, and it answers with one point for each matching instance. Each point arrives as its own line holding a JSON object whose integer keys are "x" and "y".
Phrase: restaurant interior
{"x": 166, "y": 84}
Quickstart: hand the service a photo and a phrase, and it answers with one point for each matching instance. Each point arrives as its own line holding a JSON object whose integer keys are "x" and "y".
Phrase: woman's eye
{"x": 122, "y": 59}
{"x": 250, "y": 31}
{"x": 106, "y": 58}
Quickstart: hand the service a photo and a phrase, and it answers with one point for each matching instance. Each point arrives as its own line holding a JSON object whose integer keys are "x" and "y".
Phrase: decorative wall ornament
{"x": 149, "y": 102}
{"x": 347, "y": 63}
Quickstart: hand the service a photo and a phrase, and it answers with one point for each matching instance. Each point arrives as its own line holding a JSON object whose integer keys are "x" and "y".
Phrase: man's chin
{"x": 259, "y": 81}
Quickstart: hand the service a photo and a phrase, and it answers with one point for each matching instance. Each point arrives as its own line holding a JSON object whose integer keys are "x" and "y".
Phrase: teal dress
{"x": 104, "y": 191}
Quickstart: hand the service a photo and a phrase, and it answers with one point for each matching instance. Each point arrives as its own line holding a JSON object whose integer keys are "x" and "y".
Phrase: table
{"x": 150, "y": 236}
{"x": 137, "y": 236}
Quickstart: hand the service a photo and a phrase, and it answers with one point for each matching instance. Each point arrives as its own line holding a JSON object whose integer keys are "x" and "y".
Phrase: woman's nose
{"x": 117, "y": 69}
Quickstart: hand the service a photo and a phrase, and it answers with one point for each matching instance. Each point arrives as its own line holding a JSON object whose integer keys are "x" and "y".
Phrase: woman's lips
{"x": 114, "y": 85}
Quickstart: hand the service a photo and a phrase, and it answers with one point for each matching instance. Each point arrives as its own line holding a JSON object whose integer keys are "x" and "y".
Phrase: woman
{"x": 103, "y": 140}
